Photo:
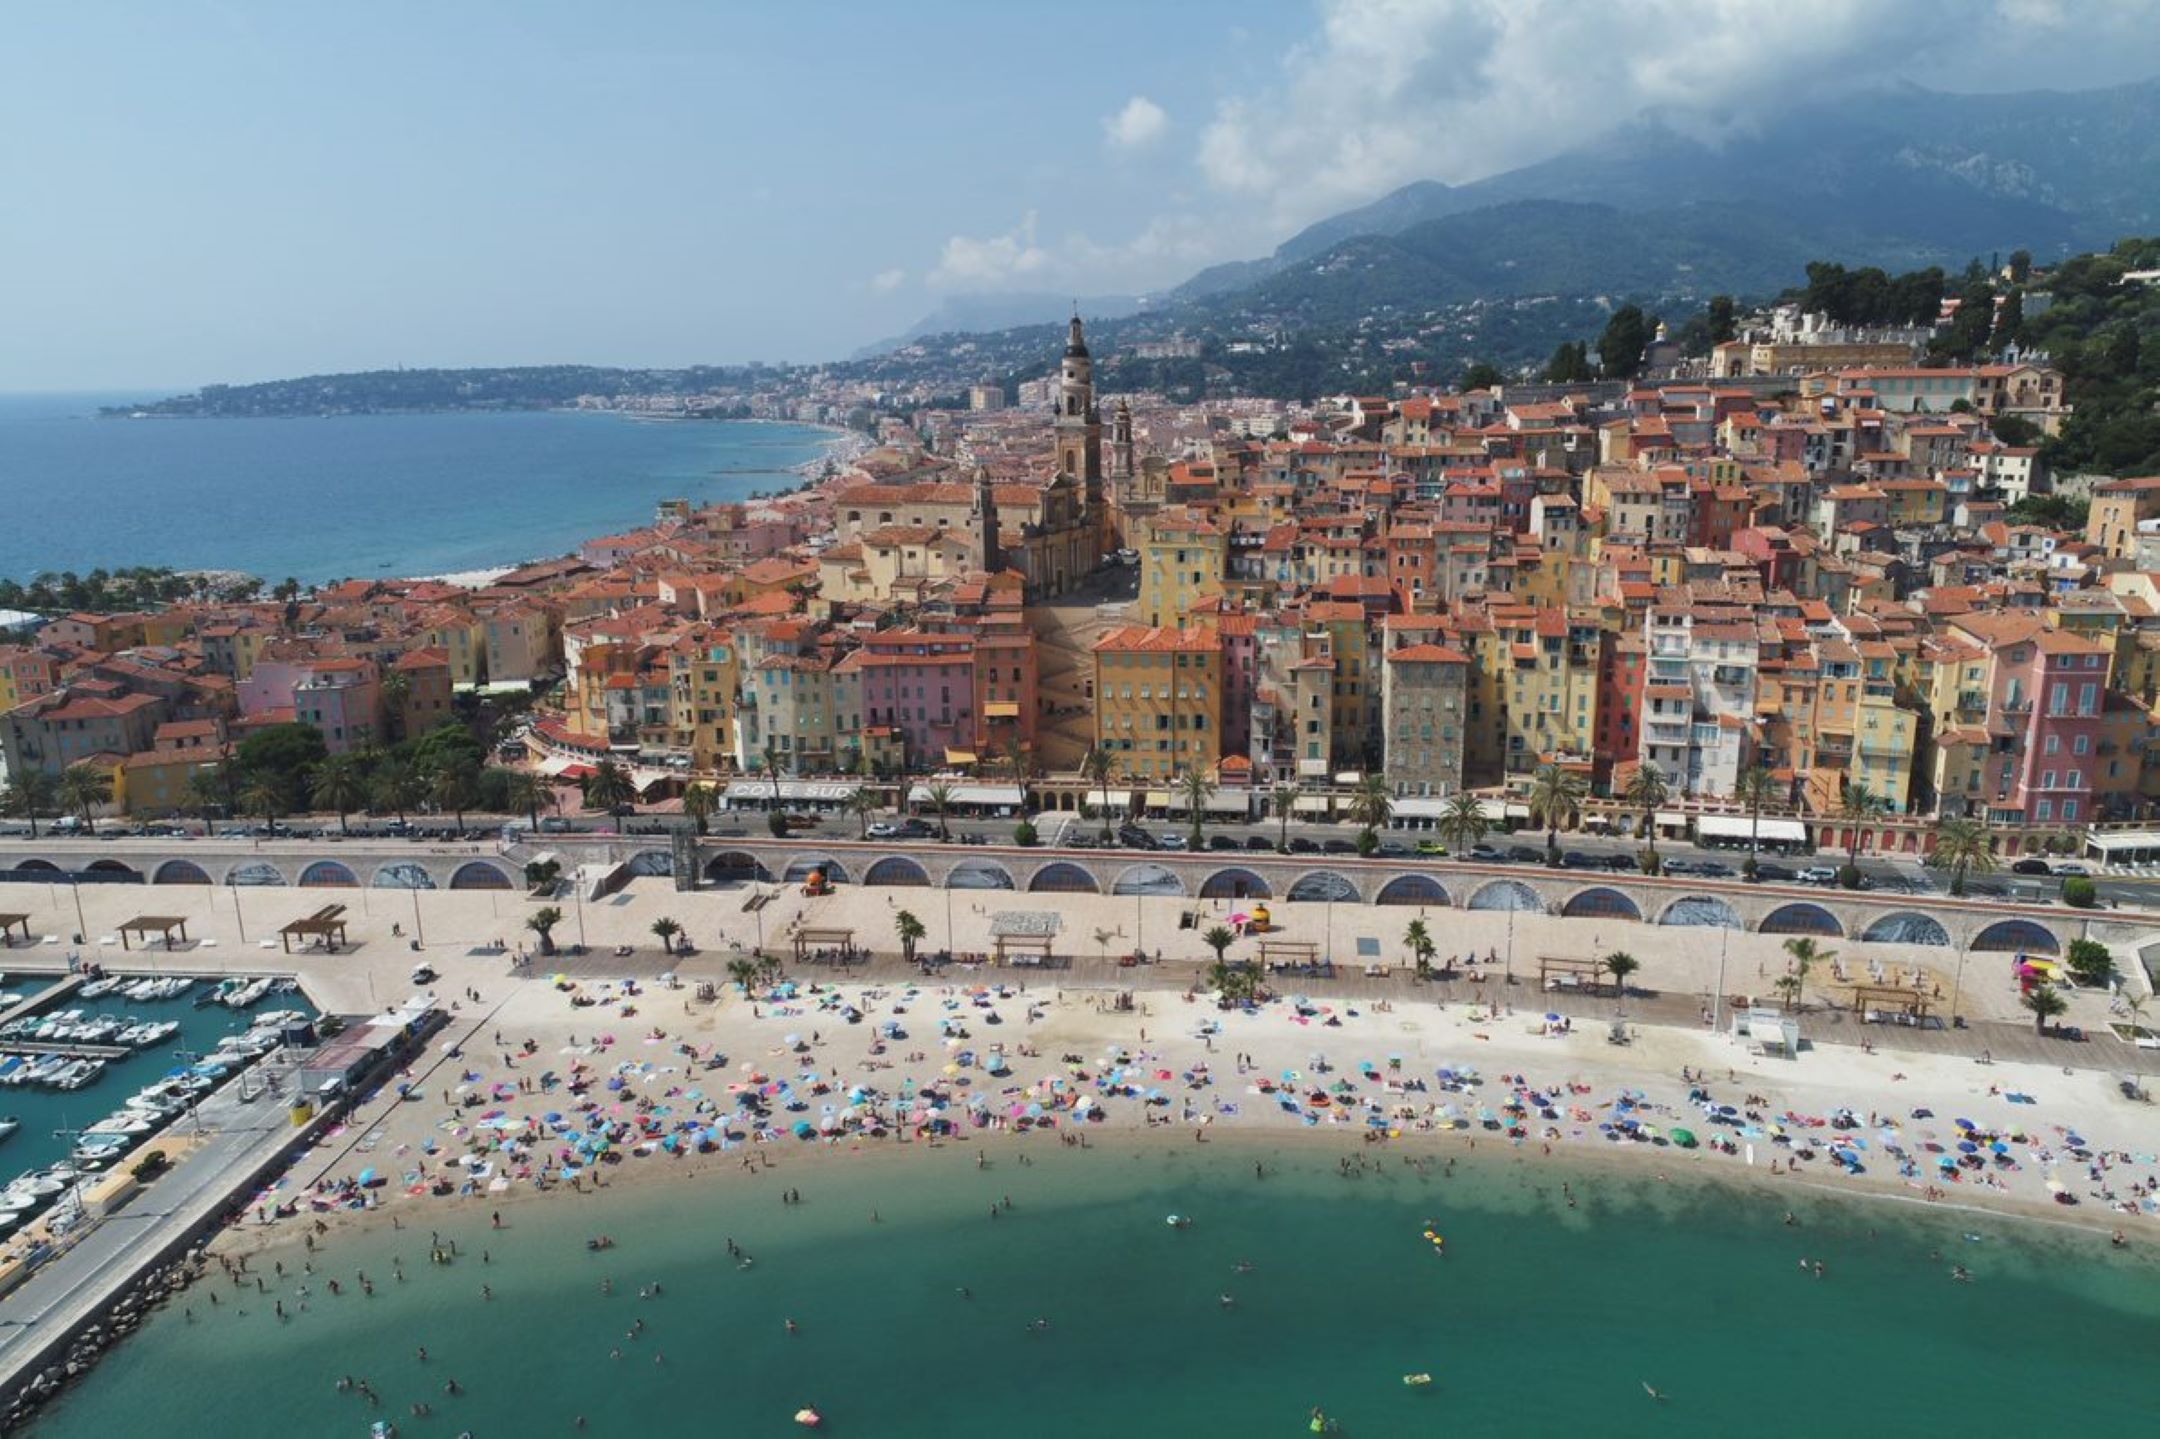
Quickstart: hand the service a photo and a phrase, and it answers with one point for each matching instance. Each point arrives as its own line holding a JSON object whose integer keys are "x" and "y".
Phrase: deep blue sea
{"x": 353, "y": 496}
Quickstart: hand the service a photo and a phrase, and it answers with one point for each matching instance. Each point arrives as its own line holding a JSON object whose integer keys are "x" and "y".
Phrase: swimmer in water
{"x": 1653, "y": 1392}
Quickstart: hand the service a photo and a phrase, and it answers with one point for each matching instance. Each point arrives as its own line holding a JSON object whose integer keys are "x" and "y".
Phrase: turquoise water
{"x": 46, "y": 1113}
{"x": 1541, "y": 1318}
{"x": 358, "y": 495}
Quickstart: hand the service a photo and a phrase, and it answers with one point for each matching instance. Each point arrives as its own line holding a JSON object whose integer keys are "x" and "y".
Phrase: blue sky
{"x": 199, "y": 192}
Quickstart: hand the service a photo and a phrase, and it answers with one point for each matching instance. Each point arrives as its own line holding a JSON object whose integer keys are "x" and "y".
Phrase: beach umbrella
{"x": 1966, "y": 1146}
{"x": 1685, "y": 1138}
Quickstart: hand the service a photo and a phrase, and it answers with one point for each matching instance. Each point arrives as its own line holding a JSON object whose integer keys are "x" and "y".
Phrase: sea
{"x": 354, "y": 496}
{"x": 916, "y": 1308}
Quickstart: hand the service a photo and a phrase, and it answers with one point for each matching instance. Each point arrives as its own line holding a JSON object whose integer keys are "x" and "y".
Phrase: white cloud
{"x": 1390, "y": 91}
{"x": 1140, "y": 124}
{"x": 887, "y": 281}
{"x": 991, "y": 263}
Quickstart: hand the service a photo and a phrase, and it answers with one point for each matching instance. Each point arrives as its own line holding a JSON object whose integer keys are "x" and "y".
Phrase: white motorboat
{"x": 125, "y": 1122}
{"x": 102, "y": 1148}
{"x": 9, "y": 1125}
{"x": 44, "y": 1186}
{"x": 98, "y": 988}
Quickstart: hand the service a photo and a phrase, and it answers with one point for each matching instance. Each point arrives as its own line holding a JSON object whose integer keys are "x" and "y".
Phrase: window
{"x": 2077, "y": 780}
{"x": 2070, "y": 809}
{"x": 2082, "y": 745}
{"x": 2047, "y": 779}
{"x": 2054, "y": 743}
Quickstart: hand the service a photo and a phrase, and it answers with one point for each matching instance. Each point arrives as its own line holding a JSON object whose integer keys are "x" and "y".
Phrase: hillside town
{"x": 1807, "y": 579}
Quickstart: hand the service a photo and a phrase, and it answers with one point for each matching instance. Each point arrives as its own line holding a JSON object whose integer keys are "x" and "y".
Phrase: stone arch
{"x": 1420, "y": 889}
{"x": 647, "y": 864}
{"x": 1063, "y": 877}
{"x": 1801, "y": 918}
{"x": 255, "y": 873}
{"x": 479, "y": 874}
{"x": 979, "y": 874}
{"x": 42, "y": 866}
{"x": 180, "y": 871}
{"x": 1907, "y": 927}
{"x": 1702, "y": 911}
{"x": 404, "y": 874}
{"x": 1507, "y": 894}
{"x": 1601, "y": 902}
{"x": 1149, "y": 879}
{"x": 2017, "y": 936}
{"x": 1235, "y": 884}
{"x": 113, "y": 866}
{"x": 897, "y": 871}
{"x": 798, "y": 869}
{"x": 735, "y": 866}
{"x": 1322, "y": 885}
{"x": 328, "y": 874}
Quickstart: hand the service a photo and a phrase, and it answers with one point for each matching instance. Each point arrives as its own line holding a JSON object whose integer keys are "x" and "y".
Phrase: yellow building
{"x": 1158, "y": 700}
{"x": 1182, "y": 561}
{"x": 460, "y": 636}
{"x": 703, "y": 681}
{"x": 1550, "y": 681}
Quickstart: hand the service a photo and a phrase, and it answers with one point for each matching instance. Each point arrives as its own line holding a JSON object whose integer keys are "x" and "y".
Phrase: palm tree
{"x": 1098, "y": 767}
{"x": 2135, "y": 1008}
{"x": 1620, "y": 964}
{"x": 338, "y": 786}
{"x": 1286, "y": 798}
{"x": 2045, "y": 1005}
{"x": 1419, "y": 941}
{"x": 525, "y": 792}
{"x": 910, "y": 929}
{"x": 666, "y": 929}
{"x": 84, "y": 787}
{"x": 940, "y": 796}
{"x": 542, "y": 922}
{"x": 744, "y": 972}
{"x": 1218, "y": 939}
{"x": 396, "y": 689}
{"x": 863, "y": 804}
{"x": 1646, "y": 790}
{"x": 30, "y": 794}
{"x": 453, "y": 787}
{"x": 1804, "y": 954}
{"x": 1962, "y": 846}
{"x": 1372, "y": 804}
{"x": 610, "y": 788}
{"x": 1195, "y": 787}
{"x": 1556, "y": 797}
{"x": 699, "y": 803}
{"x": 1860, "y": 805}
{"x": 397, "y": 788}
{"x": 263, "y": 797}
{"x": 772, "y": 772}
{"x": 1462, "y": 822}
{"x": 1756, "y": 788}
{"x": 206, "y": 792}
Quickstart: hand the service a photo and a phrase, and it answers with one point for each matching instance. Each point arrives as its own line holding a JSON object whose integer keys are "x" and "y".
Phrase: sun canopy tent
{"x": 1768, "y": 1031}
{"x": 326, "y": 924}
{"x": 1741, "y": 827}
{"x": 9, "y": 923}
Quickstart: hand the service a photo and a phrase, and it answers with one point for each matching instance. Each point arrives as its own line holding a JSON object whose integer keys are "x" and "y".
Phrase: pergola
{"x": 9, "y": 923}
{"x": 145, "y": 925}
{"x": 1026, "y": 933}
{"x": 1557, "y": 972}
{"x": 325, "y": 924}
{"x": 1874, "y": 1002}
{"x": 1028, "y": 950}
{"x": 1275, "y": 952}
{"x": 807, "y": 940}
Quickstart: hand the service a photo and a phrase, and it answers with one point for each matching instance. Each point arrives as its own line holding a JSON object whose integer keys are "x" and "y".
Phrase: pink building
{"x": 340, "y": 697}
{"x": 923, "y": 686}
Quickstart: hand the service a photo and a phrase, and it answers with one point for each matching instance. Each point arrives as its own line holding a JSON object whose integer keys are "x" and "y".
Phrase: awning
{"x": 1781, "y": 831}
{"x": 1420, "y": 807}
{"x": 1314, "y": 803}
{"x": 806, "y": 791}
{"x": 577, "y": 771}
{"x": 2121, "y": 840}
{"x": 1002, "y": 709}
{"x": 959, "y": 756}
{"x": 1504, "y": 809}
{"x": 1157, "y": 799}
{"x": 1007, "y": 795}
{"x": 555, "y": 765}
{"x": 1216, "y": 803}
{"x": 1671, "y": 819}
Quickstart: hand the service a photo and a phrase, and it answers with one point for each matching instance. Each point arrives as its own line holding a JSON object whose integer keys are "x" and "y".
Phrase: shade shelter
{"x": 1575, "y": 975}
{"x": 326, "y": 924}
{"x": 825, "y": 946}
{"x": 9, "y": 923}
{"x": 162, "y": 925}
{"x": 1890, "y": 1004}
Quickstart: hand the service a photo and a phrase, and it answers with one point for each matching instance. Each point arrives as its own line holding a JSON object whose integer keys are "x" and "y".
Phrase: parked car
{"x": 1576, "y": 859}
{"x": 1337, "y": 846}
{"x": 916, "y": 829}
{"x": 1393, "y": 849}
{"x": 1171, "y": 840}
{"x": 1258, "y": 842}
{"x": 1681, "y": 866}
{"x": 1080, "y": 839}
{"x": 1431, "y": 846}
{"x": 884, "y": 829}
{"x": 2081, "y": 871}
{"x": 1773, "y": 874}
{"x": 1714, "y": 869}
{"x": 1299, "y": 844}
{"x": 1482, "y": 852}
{"x": 2030, "y": 866}
{"x": 1818, "y": 874}
{"x": 1134, "y": 837}
{"x": 1222, "y": 841}
{"x": 1623, "y": 864}
{"x": 1525, "y": 854}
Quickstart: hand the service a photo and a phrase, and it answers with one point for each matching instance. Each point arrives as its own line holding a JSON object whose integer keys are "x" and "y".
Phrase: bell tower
{"x": 989, "y": 556}
{"x": 1079, "y": 430}
{"x": 1121, "y": 441}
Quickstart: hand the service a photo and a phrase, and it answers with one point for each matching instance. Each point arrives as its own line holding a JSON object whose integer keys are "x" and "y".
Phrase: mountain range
{"x": 1668, "y": 205}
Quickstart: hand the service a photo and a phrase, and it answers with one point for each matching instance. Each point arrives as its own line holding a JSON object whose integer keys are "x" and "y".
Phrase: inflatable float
{"x": 809, "y": 1418}
{"x": 1417, "y": 1381}
{"x": 1179, "y": 1221}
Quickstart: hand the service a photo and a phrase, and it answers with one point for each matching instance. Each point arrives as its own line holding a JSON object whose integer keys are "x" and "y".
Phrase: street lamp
{"x": 419, "y": 934}
{"x": 1717, "y": 1005}
{"x": 1957, "y": 983}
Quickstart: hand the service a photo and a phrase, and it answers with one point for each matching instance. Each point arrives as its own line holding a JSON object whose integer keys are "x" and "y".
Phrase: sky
{"x": 195, "y": 192}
